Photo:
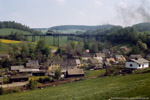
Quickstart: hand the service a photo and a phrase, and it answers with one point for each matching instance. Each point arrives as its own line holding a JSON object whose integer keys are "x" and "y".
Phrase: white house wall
{"x": 146, "y": 65}
{"x": 136, "y": 66}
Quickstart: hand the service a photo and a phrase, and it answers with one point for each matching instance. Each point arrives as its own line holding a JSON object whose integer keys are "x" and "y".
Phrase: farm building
{"x": 96, "y": 64}
{"x": 16, "y": 68}
{"x": 20, "y": 78}
{"x": 139, "y": 63}
{"x": 120, "y": 58}
{"x": 74, "y": 72}
{"x": 4, "y": 56}
{"x": 28, "y": 70}
{"x": 99, "y": 56}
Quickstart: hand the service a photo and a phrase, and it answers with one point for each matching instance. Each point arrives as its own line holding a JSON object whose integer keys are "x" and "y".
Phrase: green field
{"x": 4, "y": 47}
{"x": 7, "y": 31}
{"x": 89, "y": 73}
{"x": 49, "y": 39}
{"x": 136, "y": 85}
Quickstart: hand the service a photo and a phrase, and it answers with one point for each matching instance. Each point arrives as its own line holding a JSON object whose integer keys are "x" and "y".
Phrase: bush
{"x": 44, "y": 80}
{"x": 40, "y": 80}
{"x": 1, "y": 90}
{"x": 32, "y": 84}
{"x": 57, "y": 73}
{"x": 12, "y": 91}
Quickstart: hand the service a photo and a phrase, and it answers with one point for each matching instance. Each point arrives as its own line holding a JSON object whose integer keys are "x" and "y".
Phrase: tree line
{"x": 19, "y": 26}
{"x": 14, "y": 36}
{"x": 138, "y": 38}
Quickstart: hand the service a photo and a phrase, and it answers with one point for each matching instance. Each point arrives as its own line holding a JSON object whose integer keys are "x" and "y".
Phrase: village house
{"x": 120, "y": 58}
{"x": 87, "y": 50}
{"x": 138, "y": 63}
{"x": 96, "y": 64}
{"x": 110, "y": 60}
{"x": 99, "y": 56}
{"x": 34, "y": 64}
{"x": 124, "y": 49}
{"x": 86, "y": 56}
{"x": 69, "y": 64}
{"x": 74, "y": 72}
{"x": 106, "y": 52}
{"x": 64, "y": 65}
{"x": 16, "y": 68}
{"x": 53, "y": 65}
{"x": 135, "y": 56}
{"x": 78, "y": 62}
{"x": 4, "y": 56}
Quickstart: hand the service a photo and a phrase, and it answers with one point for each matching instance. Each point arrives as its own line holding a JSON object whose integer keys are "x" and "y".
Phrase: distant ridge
{"x": 141, "y": 27}
{"x": 81, "y": 27}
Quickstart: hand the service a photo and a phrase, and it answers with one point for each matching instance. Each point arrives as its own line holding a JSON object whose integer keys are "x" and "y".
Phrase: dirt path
{"x": 67, "y": 80}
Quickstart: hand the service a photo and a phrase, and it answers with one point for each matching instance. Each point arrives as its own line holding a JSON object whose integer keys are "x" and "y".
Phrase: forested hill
{"x": 141, "y": 27}
{"x": 14, "y": 25}
{"x": 81, "y": 27}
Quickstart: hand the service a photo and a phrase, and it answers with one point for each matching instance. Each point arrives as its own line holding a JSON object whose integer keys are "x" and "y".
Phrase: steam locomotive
{"x": 50, "y": 32}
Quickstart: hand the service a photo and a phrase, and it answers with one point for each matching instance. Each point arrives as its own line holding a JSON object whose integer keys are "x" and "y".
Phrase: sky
{"x": 48, "y": 13}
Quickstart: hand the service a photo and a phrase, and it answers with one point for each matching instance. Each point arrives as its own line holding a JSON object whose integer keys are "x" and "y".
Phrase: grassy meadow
{"x": 135, "y": 85}
{"x": 7, "y": 31}
{"x": 49, "y": 39}
{"x": 93, "y": 73}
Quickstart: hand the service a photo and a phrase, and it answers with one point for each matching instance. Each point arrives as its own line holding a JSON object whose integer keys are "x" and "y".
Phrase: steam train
{"x": 50, "y": 32}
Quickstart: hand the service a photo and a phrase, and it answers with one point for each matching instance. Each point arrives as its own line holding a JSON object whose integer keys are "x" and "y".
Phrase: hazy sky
{"x": 47, "y": 13}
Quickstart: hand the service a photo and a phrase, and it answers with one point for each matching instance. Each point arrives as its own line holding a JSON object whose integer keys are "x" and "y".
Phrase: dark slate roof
{"x": 52, "y": 61}
{"x": 64, "y": 64}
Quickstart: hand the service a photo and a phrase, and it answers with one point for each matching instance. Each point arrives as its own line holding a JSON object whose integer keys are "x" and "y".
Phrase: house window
{"x": 131, "y": 65}
{"x": 139, "y": 65}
